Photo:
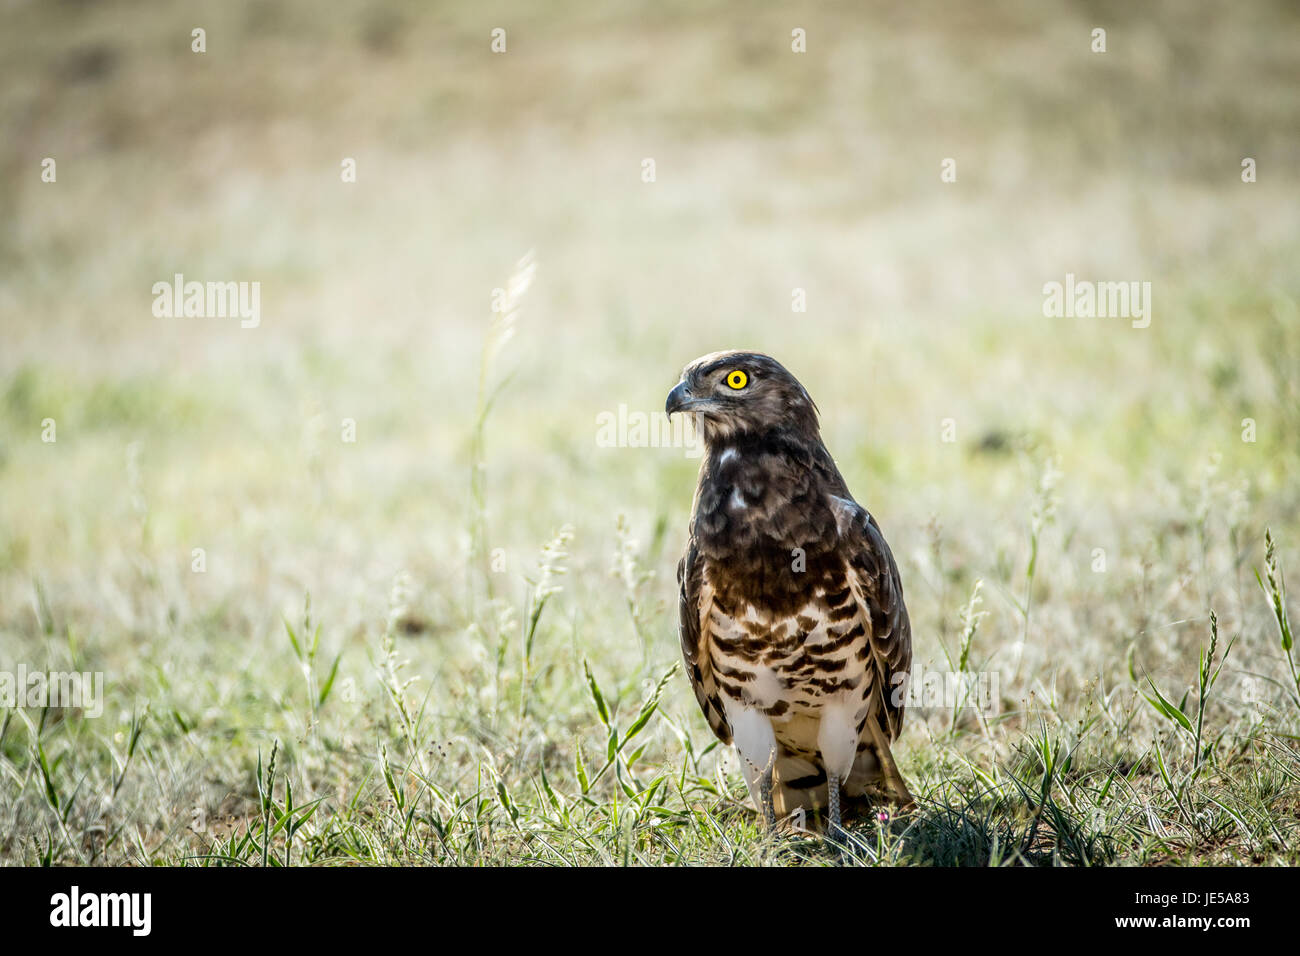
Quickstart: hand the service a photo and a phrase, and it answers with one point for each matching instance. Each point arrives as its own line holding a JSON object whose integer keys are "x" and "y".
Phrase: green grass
{"x": 453, "y": 641}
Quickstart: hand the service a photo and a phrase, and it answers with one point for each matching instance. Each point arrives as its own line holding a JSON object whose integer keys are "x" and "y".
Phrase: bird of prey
{"x": 793, "y": 625}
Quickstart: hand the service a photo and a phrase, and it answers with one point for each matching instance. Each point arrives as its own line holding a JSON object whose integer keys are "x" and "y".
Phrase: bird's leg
{"x": 766, "y": 806}
{"x": 837, "y": 738}
{"x": 833, "y": 825}
{"x": 756, "y": 743}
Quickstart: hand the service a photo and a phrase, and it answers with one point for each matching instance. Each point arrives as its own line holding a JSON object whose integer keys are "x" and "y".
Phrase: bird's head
{"x": 742, "y": 393}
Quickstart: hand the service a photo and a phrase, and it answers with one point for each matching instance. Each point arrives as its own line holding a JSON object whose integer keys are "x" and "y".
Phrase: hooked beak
{"x": 679, "y": 399}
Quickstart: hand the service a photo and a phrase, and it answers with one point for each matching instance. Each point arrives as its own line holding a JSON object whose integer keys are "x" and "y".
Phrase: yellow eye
{"x": 737, "y": 379}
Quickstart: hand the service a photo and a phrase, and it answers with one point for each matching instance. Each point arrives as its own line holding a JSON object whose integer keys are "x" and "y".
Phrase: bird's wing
{"x": 873, "y": 578}
{"x": 695, "y": 608}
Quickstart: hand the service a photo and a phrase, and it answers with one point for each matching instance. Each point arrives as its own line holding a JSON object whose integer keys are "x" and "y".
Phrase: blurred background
{"x": 774, "y": 171}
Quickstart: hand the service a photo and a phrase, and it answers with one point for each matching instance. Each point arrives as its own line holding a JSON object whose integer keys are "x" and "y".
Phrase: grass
{"x": 453, "y": 640}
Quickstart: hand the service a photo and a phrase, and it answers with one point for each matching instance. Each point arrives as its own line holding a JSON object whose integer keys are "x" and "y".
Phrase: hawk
{"x": 793, "y": 625}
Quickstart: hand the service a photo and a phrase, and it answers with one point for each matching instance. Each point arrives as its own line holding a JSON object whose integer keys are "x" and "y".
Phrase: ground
{"x": 451, "y": 639}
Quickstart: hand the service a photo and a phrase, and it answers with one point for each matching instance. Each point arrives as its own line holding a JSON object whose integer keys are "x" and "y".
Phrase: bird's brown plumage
{"x": 791, "y": 607}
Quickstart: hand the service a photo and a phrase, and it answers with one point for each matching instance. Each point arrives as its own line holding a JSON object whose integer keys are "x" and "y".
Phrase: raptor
{"x": 792, "y": 621}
